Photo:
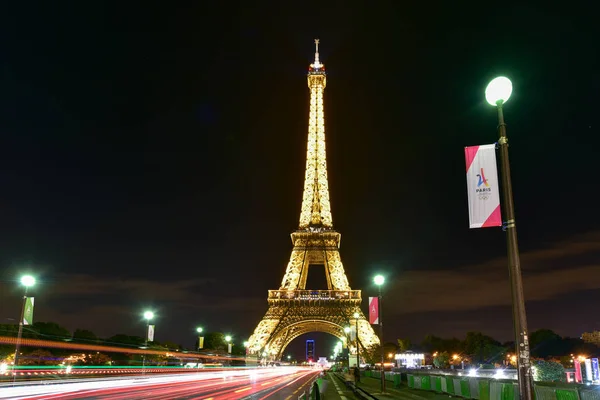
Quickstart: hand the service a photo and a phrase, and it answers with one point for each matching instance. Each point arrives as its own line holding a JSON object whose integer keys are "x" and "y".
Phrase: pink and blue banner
{"x": 482, "y": 186}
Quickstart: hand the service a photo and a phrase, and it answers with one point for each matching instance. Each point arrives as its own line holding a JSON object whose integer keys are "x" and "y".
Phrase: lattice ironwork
{"x": 294, "y": 310}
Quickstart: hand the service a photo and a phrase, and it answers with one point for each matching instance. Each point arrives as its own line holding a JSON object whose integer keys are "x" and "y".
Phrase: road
{"x": 257, "y": 384}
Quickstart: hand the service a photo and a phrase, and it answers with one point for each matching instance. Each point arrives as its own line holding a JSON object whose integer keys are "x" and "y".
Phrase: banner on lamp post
{"x": 200, "y": 342}
{"x": 28, "y": 311}
{"x": 374, "y": 310}
{"x": 151, "y": 333}
{"x": 578, "y": 375}
{"x": 482, "y": 186}
{"x": 229, "y": 348}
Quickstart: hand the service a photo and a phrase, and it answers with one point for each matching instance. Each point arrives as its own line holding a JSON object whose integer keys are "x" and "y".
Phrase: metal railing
{"x": 314, "y": 295}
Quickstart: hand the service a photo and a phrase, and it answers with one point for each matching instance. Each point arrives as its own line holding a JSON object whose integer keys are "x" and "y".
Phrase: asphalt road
{"x": 257, "y": 384}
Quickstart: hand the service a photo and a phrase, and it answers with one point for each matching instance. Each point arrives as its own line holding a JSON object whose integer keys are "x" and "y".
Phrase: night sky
{"x": 153, "y": 157}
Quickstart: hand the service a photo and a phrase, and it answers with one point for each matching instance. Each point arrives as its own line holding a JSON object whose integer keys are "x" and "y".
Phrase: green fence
{"x": 493, "y": 389}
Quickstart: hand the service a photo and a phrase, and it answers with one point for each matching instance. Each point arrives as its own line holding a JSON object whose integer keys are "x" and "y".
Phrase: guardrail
{"x": 482, "y": 388}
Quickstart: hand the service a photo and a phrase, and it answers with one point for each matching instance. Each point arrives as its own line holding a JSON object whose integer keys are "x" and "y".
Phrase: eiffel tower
{"x": 294, "y": 310}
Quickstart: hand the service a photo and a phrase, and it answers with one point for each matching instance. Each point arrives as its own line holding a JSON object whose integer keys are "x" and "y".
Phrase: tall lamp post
{"x": 497, "y": 93}
{"x": 356, "y": 316}
{"x": 148, "y": 315}
{"x": 346, "y": 342}
{"x": 379, "y": 280}
{"x": 27, "y": 281}
{"x": 228, "y": 340}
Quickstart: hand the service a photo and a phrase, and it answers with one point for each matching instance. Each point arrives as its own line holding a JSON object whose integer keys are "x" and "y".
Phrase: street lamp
{"x": 27, "y": 281}
{"x": 228, "y": 340}
{"x": 379, "y": 281}
{"x": 148, "y": 315}
{"x": 356, "y": 316}
{"x": 200, "y": 337}
{"x": 497, "y": 93}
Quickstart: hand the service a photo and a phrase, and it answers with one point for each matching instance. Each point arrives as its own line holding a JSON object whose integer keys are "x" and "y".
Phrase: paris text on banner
{"x": 482, "y": 186}
{"x": 373, "y": 310}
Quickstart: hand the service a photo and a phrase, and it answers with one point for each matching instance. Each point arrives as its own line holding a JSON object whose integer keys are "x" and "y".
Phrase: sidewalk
{"x": 373, "y": 387}
{"x": 336, "y": 389}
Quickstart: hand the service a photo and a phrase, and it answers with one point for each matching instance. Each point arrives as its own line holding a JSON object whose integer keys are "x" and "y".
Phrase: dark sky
{"x": 153, "y": 157}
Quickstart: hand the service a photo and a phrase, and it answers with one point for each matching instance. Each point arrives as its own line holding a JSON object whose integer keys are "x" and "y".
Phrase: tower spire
{"x": 317, "y": 64}
{"x": 316, "y": 210}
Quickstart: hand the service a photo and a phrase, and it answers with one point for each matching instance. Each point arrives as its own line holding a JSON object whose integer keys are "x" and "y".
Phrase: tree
{"x": 403, "y": 345}
{"x": 548, "y": 371}
{"x": 51, "y": 330}
{"x": 83, "y": 335}
{"x": 215, "y": 341}
{"x": 482, "y": 348}
{"x": 441, "y": 360}
{"x": 545, "y": 343}
{"x": 125, "y": 340}
{"x": 38, "y": 357}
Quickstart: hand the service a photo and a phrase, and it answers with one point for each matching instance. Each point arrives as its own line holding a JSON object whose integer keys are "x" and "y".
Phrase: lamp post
{"x": 27, "y": 281}
{"x": 497, "y": 93}
{"x": 148, "y": 315}
{"x": 228, "y": 340}
{"x": 379, "y": 280}
{"x": 347, "y": 343}
{"x": 200, "y": 338}
{"x": 356, "y": 316}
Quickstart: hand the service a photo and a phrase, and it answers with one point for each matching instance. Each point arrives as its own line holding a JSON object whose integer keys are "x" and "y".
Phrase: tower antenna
{"x": 317, "y": 64}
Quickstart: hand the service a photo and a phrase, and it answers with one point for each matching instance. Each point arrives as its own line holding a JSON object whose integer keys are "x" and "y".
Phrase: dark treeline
{"x": 478, "y": 348}
{"x": 214, "y": 343}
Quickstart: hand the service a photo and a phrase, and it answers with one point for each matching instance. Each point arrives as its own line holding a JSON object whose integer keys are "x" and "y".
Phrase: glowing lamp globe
{"x": 148, "y": 315}
{"x": 498, "y": 90}
{"x": 347, "y": 329}
{"x": 199, "y": 330}
{"x": 379, "y": 279}
{"x": 27, "y": 280}
{"x": 228, "y": 338}
{"x": 356, "y": 315}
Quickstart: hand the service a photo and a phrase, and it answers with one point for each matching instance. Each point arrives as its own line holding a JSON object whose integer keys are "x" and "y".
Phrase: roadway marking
{"x": 244, "y": 389}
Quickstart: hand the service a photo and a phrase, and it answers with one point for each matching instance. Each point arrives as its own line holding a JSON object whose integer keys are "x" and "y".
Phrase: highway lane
{"x": 256, "y": 384}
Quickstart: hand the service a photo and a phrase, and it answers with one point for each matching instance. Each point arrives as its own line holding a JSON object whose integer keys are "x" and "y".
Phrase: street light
{"x": 356, "y": 316}
{"x": 379, "y": 281}
{"x": 27, "y": 281}
{"x": 228, "y": 340}
{"x": 497, "y": 93}
{"x": 148, "y": 315}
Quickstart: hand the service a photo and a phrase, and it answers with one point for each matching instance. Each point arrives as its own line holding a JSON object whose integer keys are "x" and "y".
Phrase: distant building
{"x": 310, "y": 350}
{"x": 410, "y": 359}
{"x": 593, "y": 337}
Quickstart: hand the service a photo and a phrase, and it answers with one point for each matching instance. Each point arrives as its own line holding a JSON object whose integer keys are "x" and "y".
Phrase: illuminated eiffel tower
{"x": 294, "y": 310}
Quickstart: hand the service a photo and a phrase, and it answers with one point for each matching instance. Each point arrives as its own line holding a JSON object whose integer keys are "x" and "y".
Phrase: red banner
{"x": 578, "y": 377}
{"x": 373, "y": 310}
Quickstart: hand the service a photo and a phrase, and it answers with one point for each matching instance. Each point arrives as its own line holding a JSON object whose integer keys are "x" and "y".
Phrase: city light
{"x": 347, "y": 329}
{"x": 27, "y": 280}
{"x": 498, "y": 90}
{"x": 379, "y": 280}
{"x": 148, "y": 315}
{"x": 199, "y": 330}
{"x": 228, "y": 338}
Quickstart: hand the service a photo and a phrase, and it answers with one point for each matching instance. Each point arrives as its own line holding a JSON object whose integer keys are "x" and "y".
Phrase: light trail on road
{"x": 207, "y": 385}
